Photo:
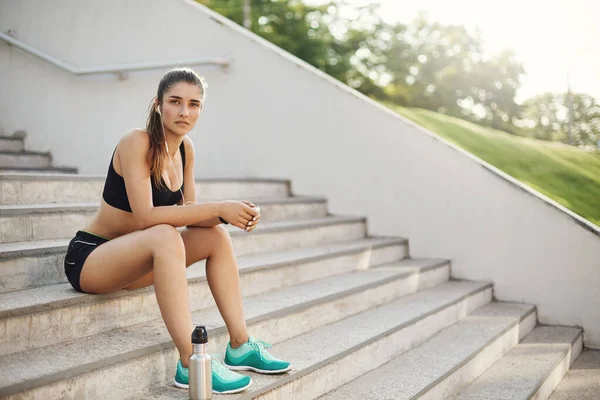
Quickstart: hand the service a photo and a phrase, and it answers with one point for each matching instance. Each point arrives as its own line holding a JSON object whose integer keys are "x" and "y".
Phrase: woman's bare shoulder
{"x": 189, "y": 145}
{"x": 136, "y": 139}
{"x": 134, "y": 145}
{"x": 136, "y": 136}
{"x": 190, "y": 151}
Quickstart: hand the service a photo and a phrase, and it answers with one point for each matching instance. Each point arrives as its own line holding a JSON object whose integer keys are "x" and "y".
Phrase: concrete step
{"x": 124, "y": 362}
{"x": 532, "y": 370}
{"x": 36, "y": 317}
{"x": 40, "y": 262}
{"x": 18, "y": 134}
{"x": 39, "y": 171}
{"x": 448, "y": 361}
{"x": 65, "y": 188}
{"x": 12, "y": 144}
{"x": 29, "y": 159}
{"x": 582, "y": 382}
{"x": 27, "y": 222}
{"x": 330, "y": 356}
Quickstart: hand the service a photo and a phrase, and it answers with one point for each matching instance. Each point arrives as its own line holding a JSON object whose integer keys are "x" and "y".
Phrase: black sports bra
{"x": 114, "y": 192}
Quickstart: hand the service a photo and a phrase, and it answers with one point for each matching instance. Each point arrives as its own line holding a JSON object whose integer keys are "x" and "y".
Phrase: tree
{"x": 586, "y": 120}
{"x": 446, "y": 69}
{"x": 544, "y": 114}
{"x": 547, "y": 116}
{"x": 494, "y": 84}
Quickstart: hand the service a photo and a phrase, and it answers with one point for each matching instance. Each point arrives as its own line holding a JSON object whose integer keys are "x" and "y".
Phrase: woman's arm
{"x": 189, "y": 183}
{"x": 136, "y": 173}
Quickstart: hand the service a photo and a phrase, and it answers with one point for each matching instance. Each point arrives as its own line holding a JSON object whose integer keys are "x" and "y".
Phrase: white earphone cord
{"x": 172, "y": 163}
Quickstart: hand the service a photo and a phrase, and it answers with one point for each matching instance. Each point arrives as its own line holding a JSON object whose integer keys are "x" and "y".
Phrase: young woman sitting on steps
{"x": 132, "y": 241}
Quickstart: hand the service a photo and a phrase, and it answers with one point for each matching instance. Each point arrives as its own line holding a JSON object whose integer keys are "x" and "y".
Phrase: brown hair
{"x": 158, "y": 151}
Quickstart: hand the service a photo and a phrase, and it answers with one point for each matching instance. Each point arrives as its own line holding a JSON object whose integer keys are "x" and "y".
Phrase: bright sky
{"x": 550, "y": 37}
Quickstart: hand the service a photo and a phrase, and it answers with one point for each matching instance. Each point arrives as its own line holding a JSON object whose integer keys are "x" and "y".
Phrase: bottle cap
{"x": 200, "y": 335}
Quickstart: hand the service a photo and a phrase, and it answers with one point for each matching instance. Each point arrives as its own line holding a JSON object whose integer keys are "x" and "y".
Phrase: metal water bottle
{"x": 200, "y": 369}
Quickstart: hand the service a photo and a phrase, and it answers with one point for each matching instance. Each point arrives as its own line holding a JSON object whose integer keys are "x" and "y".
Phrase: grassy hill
{"x": 565, "y": 174}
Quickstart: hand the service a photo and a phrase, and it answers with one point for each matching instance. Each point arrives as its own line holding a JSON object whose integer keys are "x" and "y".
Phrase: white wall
{"x": 273, "y": 116}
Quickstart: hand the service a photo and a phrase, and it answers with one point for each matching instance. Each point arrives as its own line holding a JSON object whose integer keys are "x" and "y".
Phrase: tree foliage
{"x": 547, "y": 116}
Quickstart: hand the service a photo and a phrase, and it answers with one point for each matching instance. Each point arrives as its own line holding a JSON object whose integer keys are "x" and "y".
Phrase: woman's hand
{"x": 240, "y": 214}
{"x": 256, "y": 218}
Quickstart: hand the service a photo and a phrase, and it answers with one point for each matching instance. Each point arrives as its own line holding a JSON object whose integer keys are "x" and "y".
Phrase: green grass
{"x": 565, "y": 174}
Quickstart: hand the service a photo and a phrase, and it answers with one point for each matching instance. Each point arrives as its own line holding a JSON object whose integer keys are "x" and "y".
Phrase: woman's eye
{"x": 174, "y": 101}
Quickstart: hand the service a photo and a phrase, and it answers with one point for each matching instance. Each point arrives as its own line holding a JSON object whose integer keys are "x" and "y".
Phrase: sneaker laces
{"x": 260, "y": 346}
{"x": 222, "y": 370}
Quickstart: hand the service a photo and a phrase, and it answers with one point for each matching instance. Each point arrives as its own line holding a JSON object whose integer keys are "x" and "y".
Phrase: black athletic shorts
{"x": 78, "y": 251}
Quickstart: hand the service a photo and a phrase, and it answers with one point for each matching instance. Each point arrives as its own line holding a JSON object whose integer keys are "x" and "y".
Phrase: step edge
{"x": 26, "y": 153}
{"x": 11, "y": 138}
{"x": 68, "y": 171}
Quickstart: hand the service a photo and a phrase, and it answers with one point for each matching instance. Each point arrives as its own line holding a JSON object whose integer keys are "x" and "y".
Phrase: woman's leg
{"x": 118, "y": 263}
{"x": 222, "y": 276}
{"x": 214, "y": 245}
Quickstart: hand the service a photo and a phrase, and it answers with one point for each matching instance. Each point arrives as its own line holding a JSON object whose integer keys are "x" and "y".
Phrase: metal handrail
{"x": 120, "y": 69}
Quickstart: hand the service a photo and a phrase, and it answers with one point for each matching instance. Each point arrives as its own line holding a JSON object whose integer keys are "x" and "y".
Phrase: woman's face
{"x": 181, "y": 107}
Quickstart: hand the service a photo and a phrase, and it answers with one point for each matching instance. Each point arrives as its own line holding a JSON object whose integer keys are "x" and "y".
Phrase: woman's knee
{"x": 221, "y": 235}
{"x": 165, "y": 237}
{"x": 216, "y": 239}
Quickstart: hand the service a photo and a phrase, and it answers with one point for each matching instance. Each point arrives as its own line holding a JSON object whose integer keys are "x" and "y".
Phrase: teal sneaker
{"x": 224, "y": 381}
{"x": 253, "y": 356}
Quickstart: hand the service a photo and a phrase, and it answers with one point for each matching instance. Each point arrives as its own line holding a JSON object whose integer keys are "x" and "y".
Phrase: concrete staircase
{"x": 14, "y": 157}
{"x": 357, "y": 316}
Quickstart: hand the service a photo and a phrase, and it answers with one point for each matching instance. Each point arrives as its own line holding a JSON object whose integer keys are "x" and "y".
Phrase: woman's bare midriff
{"x": 110, "y": 222}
